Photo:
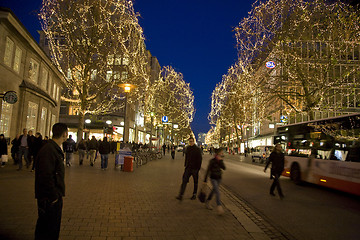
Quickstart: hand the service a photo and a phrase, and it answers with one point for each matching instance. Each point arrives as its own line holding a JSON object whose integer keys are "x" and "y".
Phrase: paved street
{"x": 119, "y": 205}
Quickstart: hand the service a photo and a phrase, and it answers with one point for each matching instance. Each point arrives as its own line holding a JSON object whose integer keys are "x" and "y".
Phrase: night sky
{"x": 195, "y": 37}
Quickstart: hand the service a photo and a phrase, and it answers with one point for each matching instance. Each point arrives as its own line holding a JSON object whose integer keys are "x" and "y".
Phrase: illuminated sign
{"x": 164, "y": 119}
{"x": 270, "y": 64}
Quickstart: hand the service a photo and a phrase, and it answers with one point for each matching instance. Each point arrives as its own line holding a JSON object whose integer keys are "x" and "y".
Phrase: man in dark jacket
{"x": 50, "y": 184}
{"x": 193, "y": 160}
{"x": 92, "y": 148}
{"x": 277, "y": 167}
{"x": 69, "y": 148}
{"x": 24, "y": 144}
{"x": 104, "y": 150}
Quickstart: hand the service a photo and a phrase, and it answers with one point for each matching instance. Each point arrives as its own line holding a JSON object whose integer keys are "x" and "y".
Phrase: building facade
{"x": 26, "y": 70}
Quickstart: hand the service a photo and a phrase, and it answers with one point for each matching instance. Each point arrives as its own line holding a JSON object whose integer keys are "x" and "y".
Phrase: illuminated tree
{"x": 97, "y": 45}
{"x": 308, "y": 40}
{"x": 171, "y": 96}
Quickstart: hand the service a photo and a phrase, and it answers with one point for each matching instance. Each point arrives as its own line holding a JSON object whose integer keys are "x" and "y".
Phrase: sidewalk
{"x": 119, "y": 205}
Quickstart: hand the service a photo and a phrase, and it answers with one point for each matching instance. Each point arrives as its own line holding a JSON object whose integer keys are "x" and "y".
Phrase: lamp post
{"x": 152, "y": 114}
{"x": 127, "y": 88}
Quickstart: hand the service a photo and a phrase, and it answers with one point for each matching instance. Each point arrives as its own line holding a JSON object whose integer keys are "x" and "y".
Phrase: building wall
{"x": 31, "y": 75}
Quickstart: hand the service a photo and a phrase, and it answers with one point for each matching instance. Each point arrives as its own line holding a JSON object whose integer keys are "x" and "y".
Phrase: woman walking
{"x": 214, "y": 170}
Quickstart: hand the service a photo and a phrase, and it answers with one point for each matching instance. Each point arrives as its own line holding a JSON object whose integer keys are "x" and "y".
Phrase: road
{"x": 306, "y": 212}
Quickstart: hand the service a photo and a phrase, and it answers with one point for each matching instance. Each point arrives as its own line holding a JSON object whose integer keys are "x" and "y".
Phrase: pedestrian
{"x": 92, "y": 148}
{"x": 3, "y": 149}
{"x": 69, "y": 148}
{"x": 37, "y": 144}
{"x": 193, "y": 160}
{"x": 277, "y": 167}
{"x": 164, "y": 148}
{"x": 81, "y": 147}
{"x": 173, "y": 152}
{"x": 31, "y": 139}
{"x": 50, "y": 185}
{"x": 23, "y": 143}
{"x": 214, "y": 171}
{"x": 104, "y": 150}
{"x": 15, "y": 149}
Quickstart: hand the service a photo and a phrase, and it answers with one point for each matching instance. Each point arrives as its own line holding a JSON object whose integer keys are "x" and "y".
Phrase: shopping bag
{"x": 202, "y": 193}
{"x": 4, "y": 158}
{"x": 202, "y": 196}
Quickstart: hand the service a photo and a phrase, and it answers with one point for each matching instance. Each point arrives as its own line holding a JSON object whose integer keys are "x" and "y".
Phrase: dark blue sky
{"x": 194, "y": 36}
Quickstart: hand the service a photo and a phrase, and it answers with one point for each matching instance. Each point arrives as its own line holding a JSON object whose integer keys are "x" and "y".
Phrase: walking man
{"x": 193, "y": 160}
{"x": 24, "y": 144}
{"x": 92, "y": 148}
{"x": 82, "y": 150}
{"x": 69, "y": 148}
{"x": 104, "y": 150}
{"x": 50, "y": 185}
{"x": 277, "y": 167}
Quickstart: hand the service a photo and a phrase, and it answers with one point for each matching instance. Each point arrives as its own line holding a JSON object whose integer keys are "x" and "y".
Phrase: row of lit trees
{"x": 308, "y": 41}
{"x": 98, "y": 46}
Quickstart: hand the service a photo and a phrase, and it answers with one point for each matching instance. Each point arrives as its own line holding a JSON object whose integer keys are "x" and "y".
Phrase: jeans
{"x": 215, "y": 183}
{"x": 92, "y": 154}
{"x": 187, "y": 174}
{"x": 49, "y": 220}
{"x": 276, "y": 184}
{"x": 69, "y": 157}
{"x": 104, "y": 161}
{"x": 23, "y": 151}
{"x": 81, "y": 156}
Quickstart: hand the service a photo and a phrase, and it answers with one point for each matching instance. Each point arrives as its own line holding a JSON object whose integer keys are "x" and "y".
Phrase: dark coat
{"x": 50, "y": 172}
{"x": 69, "y": 146}
{"x": 277, "y": 162}
{"x": 38, "y": 143}
{"x": 15, "y": 145}
{"x": 193, "y": 157}
{"x": 214, "y": 169}
{"x": 28, "y": 140}
{"x": 92, "y": 144}
{"x": 3, "y": 147}
{"x": 104, "y": 147}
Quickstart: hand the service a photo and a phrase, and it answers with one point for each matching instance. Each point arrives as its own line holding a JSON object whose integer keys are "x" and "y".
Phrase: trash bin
{"x": 128, "y": 164}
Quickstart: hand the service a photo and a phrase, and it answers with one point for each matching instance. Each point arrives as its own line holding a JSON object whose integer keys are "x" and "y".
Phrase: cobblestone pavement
{"x": 119, "y": 205}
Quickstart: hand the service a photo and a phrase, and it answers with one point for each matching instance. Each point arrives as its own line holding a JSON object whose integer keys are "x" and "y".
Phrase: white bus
{"x": 324, "y": 152}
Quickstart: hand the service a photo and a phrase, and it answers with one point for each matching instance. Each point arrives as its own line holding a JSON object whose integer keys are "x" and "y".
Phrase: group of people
{"x": 193, "y": 160}
{"x": 49, "y": 156}
{"x": 25, "y": 146}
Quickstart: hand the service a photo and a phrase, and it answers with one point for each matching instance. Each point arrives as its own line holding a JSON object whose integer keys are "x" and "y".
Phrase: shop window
{"x": 17, "y": 60}
{"x": 5, "y": 119}
{"x": 43, "y": 119}
{"x": 33, "y": 71}
{"x": 31, "y": 118}
{"x": 9, "y": 51}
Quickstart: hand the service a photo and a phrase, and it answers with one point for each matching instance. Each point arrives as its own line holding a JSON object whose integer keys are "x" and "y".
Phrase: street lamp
{"x": 127, "y": 88}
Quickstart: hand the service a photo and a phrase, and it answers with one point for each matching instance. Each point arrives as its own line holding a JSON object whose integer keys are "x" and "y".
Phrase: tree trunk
{"x": 81, "y": 126}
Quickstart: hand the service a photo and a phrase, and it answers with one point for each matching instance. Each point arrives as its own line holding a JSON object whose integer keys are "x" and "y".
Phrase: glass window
{"x": 43, "y": 119}
{"x": 58, "y": 93}
{"x": 33, "y": 71}
{"x": 17, "y": 60}
{"x": 125, "y": 61}
{"x": 31, "y": 118}
{"x": 116, "y": 75}
{"x": 93, "y": 74}
{"x": 5, "y": 119}
{"x": 54, "y": 91}
{"x": 108, "y": 76}
{"x": 44, "y": 78}
{"x": 50, "y": 84}
{"x": 52, "y": 122}
{"x": 9, "y": 51}
{"x": 110, "y": 59}
{"x": 117, "y": 60}
{"x": 124, "y": 75}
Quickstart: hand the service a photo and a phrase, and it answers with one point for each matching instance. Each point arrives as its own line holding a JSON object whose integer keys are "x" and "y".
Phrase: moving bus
{"x": 324, "y": 152}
